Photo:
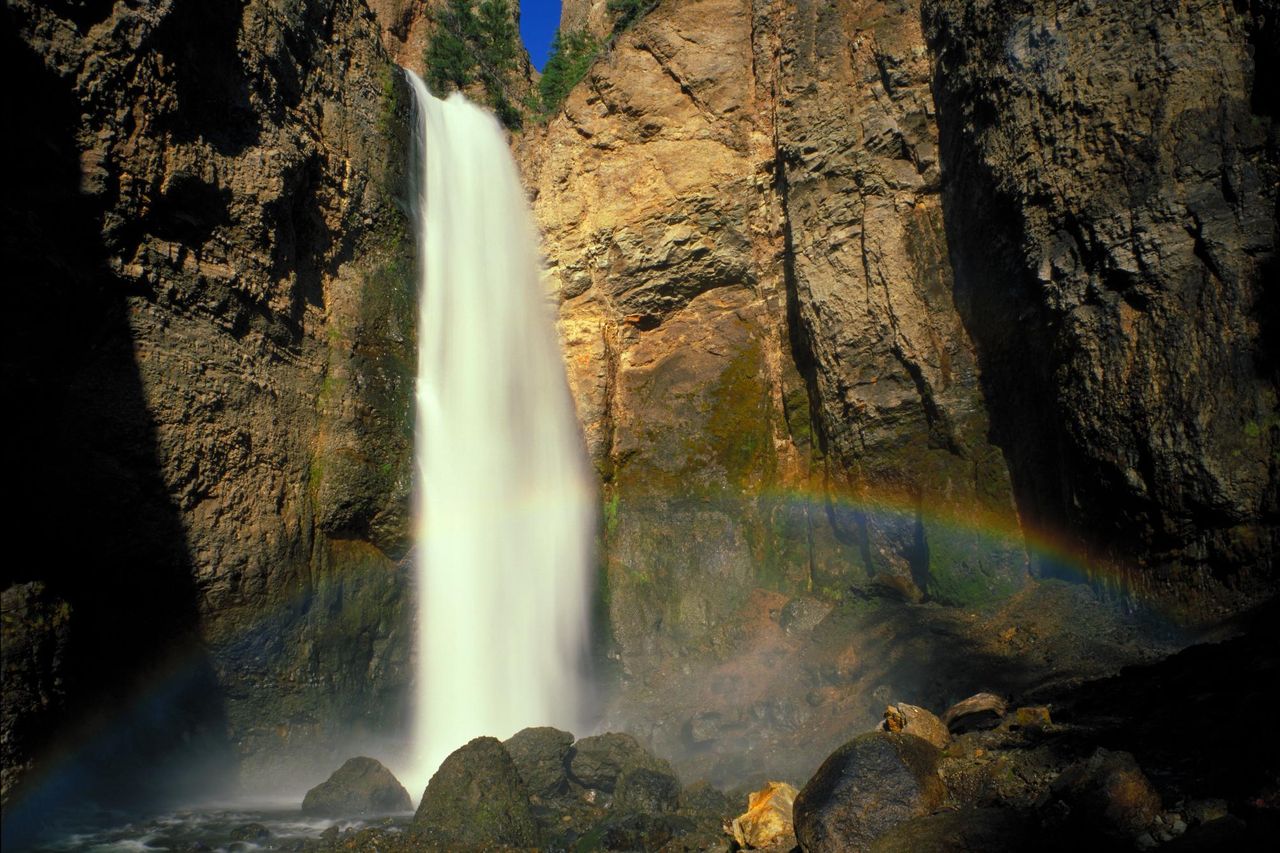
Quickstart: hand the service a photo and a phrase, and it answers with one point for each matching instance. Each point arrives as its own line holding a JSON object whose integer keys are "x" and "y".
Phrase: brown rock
{"x": 767, "y": 820}
{"x": 1107, "y": 791}
{"x": 864, "y": 789}
{"x": 979, "y": 711}
{"x": 913, "y": 720}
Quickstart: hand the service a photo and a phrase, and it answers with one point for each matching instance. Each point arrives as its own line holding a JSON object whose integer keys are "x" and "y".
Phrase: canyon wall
{"x": 212, "y": 378}
{"x": 859, "y": 300}
{"x": 1111, "y": 208}
{"x": 742, "y": 208}
{"x": 912, "y": 300}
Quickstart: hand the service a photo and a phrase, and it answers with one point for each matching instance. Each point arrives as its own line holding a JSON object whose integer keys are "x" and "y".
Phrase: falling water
{"x": 505, "y": 515}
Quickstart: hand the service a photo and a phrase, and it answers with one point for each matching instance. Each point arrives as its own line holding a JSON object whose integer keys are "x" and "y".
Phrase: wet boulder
{"x": 362, "y": 786}
{"x": 865, "y": 788}
{"x": 646, "y": 790}
{"x": 961, "y": 832}
{"x": 1107, "y": 792}
{"x": 541, "y": 754}
{"x": 599, "y": 760}
{"x": 477, "y": 799}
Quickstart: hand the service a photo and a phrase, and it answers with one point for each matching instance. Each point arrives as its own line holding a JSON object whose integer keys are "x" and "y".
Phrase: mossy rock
{"x": 477, "y": 799}
{"x": 361, "y": 786}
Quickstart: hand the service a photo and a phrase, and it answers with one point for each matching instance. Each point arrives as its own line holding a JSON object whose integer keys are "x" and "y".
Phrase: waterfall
{"x": 505, "y": 509}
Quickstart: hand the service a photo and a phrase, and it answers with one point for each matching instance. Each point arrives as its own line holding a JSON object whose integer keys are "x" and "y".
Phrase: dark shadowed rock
{"x": 865, "y": 788}
{"x": 1107, "y": 792}
{"x": 645, "y": 790}
{"x": 960, "y": 832}
{"x": 250, "y": 832}
{"x": 598, "y": 761}
{"x": 701, "y": 798}
{"x": 361, "y": 786}
{"x": 979, "y": 711}
{"x": 477, "y": 798}
{"x": 541, "y": 755}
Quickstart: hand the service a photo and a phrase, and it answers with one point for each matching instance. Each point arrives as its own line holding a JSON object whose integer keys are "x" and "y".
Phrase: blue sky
{"x": 538, "y": 22}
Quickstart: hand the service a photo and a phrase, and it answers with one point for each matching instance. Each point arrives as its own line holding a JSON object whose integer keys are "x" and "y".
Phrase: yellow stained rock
{"x": 768, "y": 816}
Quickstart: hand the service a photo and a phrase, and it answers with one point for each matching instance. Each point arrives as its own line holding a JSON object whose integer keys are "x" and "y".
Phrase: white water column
{"x": 506, "y": 505}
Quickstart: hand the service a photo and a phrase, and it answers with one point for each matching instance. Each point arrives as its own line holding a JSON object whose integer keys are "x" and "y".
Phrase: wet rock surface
{"x": 871, "y": 784}
{"x": 477, "y": 799}
{"x": 361, "y": 786}
{"x": 541, "y": 755}
{"x": 600, "y": 761}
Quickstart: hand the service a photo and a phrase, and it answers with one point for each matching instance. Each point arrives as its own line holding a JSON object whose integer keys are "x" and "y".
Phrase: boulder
{"x": 865, "y": 788}
{"x": 599, "y": 760}
{"x": 767, "y": 820}
{"x": 801, "y": 615}
{"x": 961, "y": 832}
{"x": 979, "y": 711}
{"x": 1106, "y": 792}
{"x": 477, "y": 798}
{"x": 362, "y": 786}
{"x": 646, "y": 790}
{"x": 913, "y": 720}
{"x": 541, "y": 755}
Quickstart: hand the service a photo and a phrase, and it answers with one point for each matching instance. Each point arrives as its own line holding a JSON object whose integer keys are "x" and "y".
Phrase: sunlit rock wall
{"x": 742, "y": 214}
{"x": 818, "y": 347}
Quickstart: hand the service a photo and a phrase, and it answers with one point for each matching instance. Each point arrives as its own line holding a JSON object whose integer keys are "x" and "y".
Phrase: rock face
{"x": 864, "y": 789}
{"x": 407, "y": 27}
{"x": 866, "y": 297}
{"x": 542, "y": 756}
{"x": 477, "y": 798}
{"x": 600, "y": 761}
{"x": 773, "y": 381}
{"x": 1110, "y": 205}
{"x": 215, "y": 369}
{"x": 361, "y": 786}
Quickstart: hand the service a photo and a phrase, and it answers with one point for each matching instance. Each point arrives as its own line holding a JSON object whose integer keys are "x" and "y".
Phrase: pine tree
{"x": 627, "y": 12}
{"x": 497, "y": 37}
{"x": 450, "y": 55}
{"x": 571, "y": 57}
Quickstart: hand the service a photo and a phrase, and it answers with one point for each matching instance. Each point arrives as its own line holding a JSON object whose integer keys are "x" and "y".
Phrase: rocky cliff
{"x": 917, "y": 299}
{"x": 860, "y": 301}
{"x": 212, "y": 378}
{"x": 742, "y": 208}
{"x": 1110, "y": 204}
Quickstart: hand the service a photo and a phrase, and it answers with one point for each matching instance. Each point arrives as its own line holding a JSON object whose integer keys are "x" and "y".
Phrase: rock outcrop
{"x": 864, "y": 789}
{"x": 477, "y": 799}
{"x": 774, "y": 383}
{"x": 1110, "y": 202}
{"x": 214, "y": 369}
{"x": 911, "y": 300}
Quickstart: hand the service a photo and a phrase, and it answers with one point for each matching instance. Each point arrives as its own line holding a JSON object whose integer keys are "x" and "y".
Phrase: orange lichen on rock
{"x": 768, "y": 816}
